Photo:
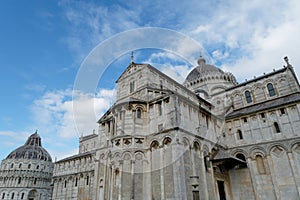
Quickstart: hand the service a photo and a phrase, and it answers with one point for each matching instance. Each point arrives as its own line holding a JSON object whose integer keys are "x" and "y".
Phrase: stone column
{"x": 202, "y": 179}
{"x": 161, "y": 170}
{"x": 178, "y": 170}
{"x": 132, "y": 179}
{"x": 120, "y": 181}
{"x": 252, "y": 175}
{"x": 273, "y": 176}
{"x": 293, "y": 169}
{"x": 111, "y": 178}
{"x": 106, "y": 178}
{"x": 147, "y": 177}
{"x": 213, "y": 184}
{"x": 96, "y": 180}
{"x": 193, "y": 161}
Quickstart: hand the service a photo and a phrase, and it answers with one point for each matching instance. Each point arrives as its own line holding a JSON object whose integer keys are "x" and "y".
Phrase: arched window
{"x": 243, "y": 158}
{"x": 87, "y": 180}
{"x": 3, "y": 195}
{"x": 167, "y": 141}
{"x": 12, "y": 195}
{"x": 239, "y": 134}
{"x": 196, "y": 146}
{"x": 276, "y": 127}
{"x": 138, "y": 113}
{"x": 20, "y": 165}
{"x": 260, "y": 164}
{"x": 22, "y": 196}
{"x": 154, "y": 145}
{"x": 248, "y": 97}
{"x": 76, "y": 182}
{"x": 271, "y": 89}
{"x": 19, "y": 180}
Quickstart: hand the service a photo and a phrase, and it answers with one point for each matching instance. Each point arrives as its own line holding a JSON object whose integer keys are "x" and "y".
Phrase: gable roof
{"x": 166, "y": 77}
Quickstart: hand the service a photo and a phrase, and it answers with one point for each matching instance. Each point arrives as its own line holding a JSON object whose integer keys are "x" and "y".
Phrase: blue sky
{"x": 44, "y": 43}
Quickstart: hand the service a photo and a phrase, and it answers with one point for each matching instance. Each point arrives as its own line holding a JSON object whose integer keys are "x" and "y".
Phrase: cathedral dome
{"x": 32, "y": 149}
{"x": 206, "y": 80}
{"x": 202, "y": 70}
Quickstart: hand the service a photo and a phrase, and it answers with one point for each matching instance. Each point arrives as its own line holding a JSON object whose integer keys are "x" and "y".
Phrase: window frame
{"x": 240, "y": 134}
{"x": 138, "y": 113}
{"x": 248, "y": 96}
{"x": 276, "y": 127}
{"x": 131, "y": 86}
{"x": 271, "y": 90}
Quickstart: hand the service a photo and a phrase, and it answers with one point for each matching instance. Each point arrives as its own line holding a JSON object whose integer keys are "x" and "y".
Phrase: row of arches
{"x": 26, "y": 166}
{"x": 75, "y": 180}
{"x": 71, "y": 185}
{"x": 22, "y": 194}
{"x": 264, "y": 151}
{"x": 166, "y": 141}
{"x": 127, "y": 155}
{"x": 86, "y": 161}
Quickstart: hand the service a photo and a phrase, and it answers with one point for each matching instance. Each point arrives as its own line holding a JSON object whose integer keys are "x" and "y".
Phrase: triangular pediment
{"x": 131, "y": 69}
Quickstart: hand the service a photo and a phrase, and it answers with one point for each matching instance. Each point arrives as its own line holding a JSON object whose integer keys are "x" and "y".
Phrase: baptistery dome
{"x": 32, "y": 149}
{"x": 27, "y": 171}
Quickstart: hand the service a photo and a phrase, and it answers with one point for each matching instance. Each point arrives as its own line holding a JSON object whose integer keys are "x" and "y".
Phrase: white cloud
{"x": 14, "y": 135}
{"x": 237, "y": 34}
{"x": 35, "y": 87}
{"x": 95, "y": 21}
{"x": 201, "y": 29}
{"x": 170, "y": 64}
{"x": 62, "y": 116}
{"x": 10, "y": 140}
{"x": 219, "y": 55}
{"x": 267, "y": 48}
{"x": 178, "y": 73}
{"x": 69, "y": 113}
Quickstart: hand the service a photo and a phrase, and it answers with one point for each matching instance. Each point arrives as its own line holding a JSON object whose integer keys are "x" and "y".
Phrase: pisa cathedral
{"x": 208, "y": 138}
